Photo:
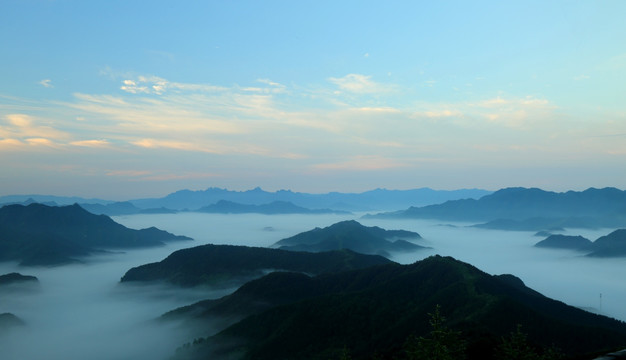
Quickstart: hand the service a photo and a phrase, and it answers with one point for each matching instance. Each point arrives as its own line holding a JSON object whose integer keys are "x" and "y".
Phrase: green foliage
{"x": 442, "y": 344}
{"x": 374, "y": 310}
{"x": 345, "y": 354}
{"x": 516, "y": 347}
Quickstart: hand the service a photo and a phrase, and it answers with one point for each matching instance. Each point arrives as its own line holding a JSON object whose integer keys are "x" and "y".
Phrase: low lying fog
{"x": 82, "y": 312}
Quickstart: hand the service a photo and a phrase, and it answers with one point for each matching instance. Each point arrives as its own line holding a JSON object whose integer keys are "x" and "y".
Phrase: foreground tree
{"x": 442, "y": 344}
{"x": 516, "y": 347}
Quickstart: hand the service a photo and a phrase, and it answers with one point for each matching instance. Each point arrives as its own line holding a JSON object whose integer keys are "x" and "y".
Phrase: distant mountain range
{"x": 49, "y": 235}
{"x": 273, "y": 208}
{"x": 376, "y": 311}
{"x": 529, "y": 209}
{"x": 611, "y": 245}
{"x": 354, "y": 236}
{"x": 189, "y": 200}
{"x": 369, "y": 200}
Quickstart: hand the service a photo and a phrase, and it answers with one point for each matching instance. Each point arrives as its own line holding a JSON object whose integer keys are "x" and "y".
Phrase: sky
{"x": 130, "y": 99}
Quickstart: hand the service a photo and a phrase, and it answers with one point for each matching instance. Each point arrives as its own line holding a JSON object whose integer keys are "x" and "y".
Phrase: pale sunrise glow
{"x": 316, "y": 97}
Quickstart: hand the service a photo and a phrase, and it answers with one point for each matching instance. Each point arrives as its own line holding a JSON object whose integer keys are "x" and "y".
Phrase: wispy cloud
{"x": 616, "y": 62}
{"x": 39, "y": 142}
{"x": 172, "y": 115}
{"x": 90, "y": 143}
{"x": 159, "y": 86}
{"x": 178, "y": 145}
{"x": 128, "y": 173}
{"x": 360, "y": 84}
{"x": 361, "y": 163}
{"x": 302, "y": 129}
{"x": 46, "y": 83}
{"x": 145, "y": 175}
{"x": 274, "y": 86}
{"x": 23, "y": 126}
{"x": 524, "y": 112}
{"x": 443, "y": 113}
{"x": 9, "y": 143}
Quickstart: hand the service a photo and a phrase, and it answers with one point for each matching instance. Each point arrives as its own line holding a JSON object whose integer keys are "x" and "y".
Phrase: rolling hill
{"x": 354, "y": 236}
{"x": 374, "y": 312}
{"x": 50, "y": 235}
{"x": 229, "y": 264}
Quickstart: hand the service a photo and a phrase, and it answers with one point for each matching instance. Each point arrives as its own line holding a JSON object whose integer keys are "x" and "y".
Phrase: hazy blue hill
{"x": 374, "y": 199}
{"x": 611, "y": 245}
{"x": 15, "y": 278}
{"x": 354, "y": 236}
{"x": 377, "y": 199}
{"x": 375, "y": 310}
{"x": 8, "y": 321}
{"x": 113, "y": 209}
{"x": 530, "y": 209}
{"x": 122, "y": 208}
{"x": 555, "y": 224}
{"x": 543, "y": 233}
{"x": 225, "y": 264}
{"x": 48, "y": 199}
{"x": 273, "y": 208}
{"x": 46, "y": 235}
{"x": 30, "y": 201}
{"x": 565, "y": 242}
{"x": 161, "y": 210}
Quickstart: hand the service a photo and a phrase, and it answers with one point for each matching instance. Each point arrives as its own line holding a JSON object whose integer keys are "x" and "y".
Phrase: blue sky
{"x": 126, "y": 99}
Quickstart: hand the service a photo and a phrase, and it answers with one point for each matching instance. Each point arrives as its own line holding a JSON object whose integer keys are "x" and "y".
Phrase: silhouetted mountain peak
{"x": 530, "y": 209}
{"x": 14, "y": 277}
{"x": 38, "y": 234}
{"x": 214, "y": 264}
{"x": 375, "y": 310}
{"x": 350, "y": 234}
{"x": 611, "y": 245}
{"x": 565, "y": 242}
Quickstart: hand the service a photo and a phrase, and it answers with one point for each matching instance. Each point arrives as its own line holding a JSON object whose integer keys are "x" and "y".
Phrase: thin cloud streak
{"x": 275, "y": 130}
{"x": 360, "y": 84}
{"x": 47, "y": 83}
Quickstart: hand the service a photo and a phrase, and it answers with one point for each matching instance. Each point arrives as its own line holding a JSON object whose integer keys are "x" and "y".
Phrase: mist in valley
{"x": 82, "y": 311}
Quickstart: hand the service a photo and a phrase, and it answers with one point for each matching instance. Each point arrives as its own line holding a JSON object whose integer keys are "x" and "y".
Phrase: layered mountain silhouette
{"x": 9, "y": 321}
{"x": 273, "y": 208}
{"x": 16, "y": 278}
{"x": 48, "y": 235}
{"x": 530, "y": 209}
{"x": 611, "y": 245}
{"x": 354, "y": 236}
{"x": 373, "y": 312}
{"x": 228, "y": 265}
{"x": 369, "y": 200}
{"x": 122, "y": 208}
{"x": 559, "y": 241}
{"x": 190, "y": 200}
